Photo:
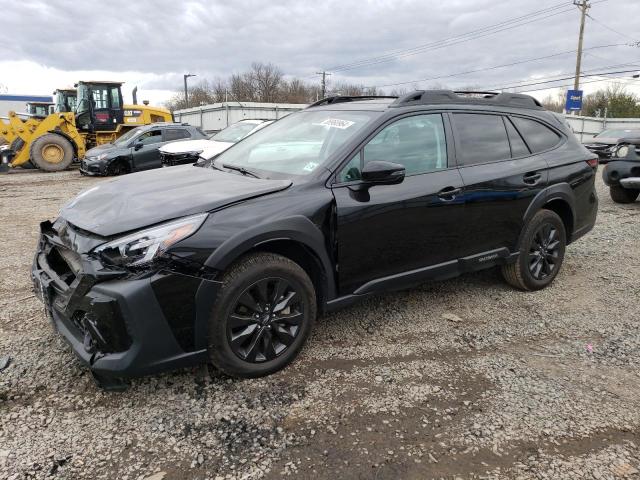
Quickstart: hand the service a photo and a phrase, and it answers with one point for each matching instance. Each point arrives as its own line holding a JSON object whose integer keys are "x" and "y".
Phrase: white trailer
{"x": 216, "y": 116}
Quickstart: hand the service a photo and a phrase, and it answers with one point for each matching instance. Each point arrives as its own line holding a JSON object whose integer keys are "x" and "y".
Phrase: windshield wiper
{"x": 242, "y": 170}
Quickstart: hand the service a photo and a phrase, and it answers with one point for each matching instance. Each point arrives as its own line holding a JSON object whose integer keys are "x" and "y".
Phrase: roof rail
{"x": 504, "y": 99}
{"x": 347, "y": 98}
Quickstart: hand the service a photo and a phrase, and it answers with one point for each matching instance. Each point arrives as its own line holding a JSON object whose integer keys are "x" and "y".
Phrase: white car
{"x": 188, "y": 151}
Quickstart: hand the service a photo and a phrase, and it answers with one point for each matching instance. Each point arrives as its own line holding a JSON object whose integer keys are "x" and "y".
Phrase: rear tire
{"x": 623, "y": 195}
{"x": 262, "y": 317}
{"x": 52, "y": 152}
{"x": 542, "y": 247}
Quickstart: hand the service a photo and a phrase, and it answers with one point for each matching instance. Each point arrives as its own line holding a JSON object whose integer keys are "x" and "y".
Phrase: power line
{"x": 565, "y": 78}
{"x": 611, "y": 29}
{"x": 495, "y": 67}
{"x": 472, "y": 35}
{"x": 570, "y": 84}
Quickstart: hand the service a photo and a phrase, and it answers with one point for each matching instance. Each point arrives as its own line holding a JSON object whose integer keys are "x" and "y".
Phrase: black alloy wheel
{"x": 544, "y": 251}
{"x": 542, "y": 245}
{"x": 265, "y": 320}
{"x": 264, "y": 311}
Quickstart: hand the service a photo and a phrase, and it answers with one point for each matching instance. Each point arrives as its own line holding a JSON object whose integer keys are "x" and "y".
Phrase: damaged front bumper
{"x": 119, "y": 324}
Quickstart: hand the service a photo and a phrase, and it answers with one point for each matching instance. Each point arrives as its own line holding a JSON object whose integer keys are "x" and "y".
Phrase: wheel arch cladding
{"x": 296, "y": 238}
{"x": 558, "y": 198}
{"x": 562, "y": 208}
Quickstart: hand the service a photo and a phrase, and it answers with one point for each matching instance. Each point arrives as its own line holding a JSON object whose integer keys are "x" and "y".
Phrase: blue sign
{"x": 574, "y": 100}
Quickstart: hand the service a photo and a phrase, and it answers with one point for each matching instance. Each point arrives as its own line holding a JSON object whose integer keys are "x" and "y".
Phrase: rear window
{"x": 538, "y": 136}
{"x": 171, "y": 134}
{"x": 482, "y": 138}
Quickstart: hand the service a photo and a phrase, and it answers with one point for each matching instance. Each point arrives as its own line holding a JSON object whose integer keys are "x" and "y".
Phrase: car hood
{"x": 186, "y": 146}
{"x": 146, "y": 198}
{"x": 602, "y": 141}
{"x": 104, "y": 148}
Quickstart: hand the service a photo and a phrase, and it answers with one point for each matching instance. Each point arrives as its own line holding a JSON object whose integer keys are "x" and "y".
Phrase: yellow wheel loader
{"x": 52, "y": 143}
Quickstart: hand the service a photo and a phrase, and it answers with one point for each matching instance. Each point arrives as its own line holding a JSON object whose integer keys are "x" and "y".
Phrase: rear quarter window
{"x": 539, "y": 137}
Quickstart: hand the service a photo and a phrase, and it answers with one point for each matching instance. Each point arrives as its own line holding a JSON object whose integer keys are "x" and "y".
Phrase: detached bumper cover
{"x": 621, "y": 173}
{"x": 115, "y": 323}
{"x": 173, "y": 159}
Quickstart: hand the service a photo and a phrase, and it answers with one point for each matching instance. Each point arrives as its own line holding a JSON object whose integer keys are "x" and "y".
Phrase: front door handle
{"x": 532, "y": 178}
{"x": 449, "y": 193}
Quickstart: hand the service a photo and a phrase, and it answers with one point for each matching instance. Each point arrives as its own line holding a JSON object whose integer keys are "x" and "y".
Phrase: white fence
{"x": 217, "y": 116}
{"x": 585, "y": 128}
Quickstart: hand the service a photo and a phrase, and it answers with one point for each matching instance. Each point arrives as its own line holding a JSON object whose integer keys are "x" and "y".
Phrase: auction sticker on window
{"x": 336, "y": 123}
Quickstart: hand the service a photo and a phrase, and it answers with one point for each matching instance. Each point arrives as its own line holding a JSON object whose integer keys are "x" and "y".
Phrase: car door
{"x": 501, "y": 177}
{"x": 387, "y": 230}
{"x": 145, "y": 154}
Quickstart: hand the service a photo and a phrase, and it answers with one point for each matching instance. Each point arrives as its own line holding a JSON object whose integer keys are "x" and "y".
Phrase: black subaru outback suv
{"x": 350, "y": 197}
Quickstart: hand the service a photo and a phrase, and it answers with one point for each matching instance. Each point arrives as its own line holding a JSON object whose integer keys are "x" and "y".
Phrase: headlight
{"x": 102, "y": 156}
{"x": 622, "y": 151}
{"x": 144, "y": 246}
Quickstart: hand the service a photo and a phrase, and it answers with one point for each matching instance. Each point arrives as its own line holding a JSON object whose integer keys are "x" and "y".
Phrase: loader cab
{"x": 39, "y": 109}
{"x": 65, "y": 100}
{"x": 99, "y": 106}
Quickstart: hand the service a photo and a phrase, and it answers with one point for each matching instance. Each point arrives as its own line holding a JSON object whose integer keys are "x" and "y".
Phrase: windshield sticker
{"x": 310, "y": 167}
{"x": 336, "y": 123}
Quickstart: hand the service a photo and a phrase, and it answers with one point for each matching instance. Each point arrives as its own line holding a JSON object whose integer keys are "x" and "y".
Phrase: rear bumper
{"x": 119, "y": 327}
{"x": 618, "y": 171}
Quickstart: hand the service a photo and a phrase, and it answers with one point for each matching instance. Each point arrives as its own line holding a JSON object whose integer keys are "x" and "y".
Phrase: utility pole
{"x": 186, "y": 95}
{"x": 324, "y": 82}
{"x": 583, "y": 5}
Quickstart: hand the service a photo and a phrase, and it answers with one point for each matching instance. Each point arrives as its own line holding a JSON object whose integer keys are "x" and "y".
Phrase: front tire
{"x": 52, "y": 152}
{"x": 623, "y": 195}
{"x": 542, "y": 248}
{"x": 262, "y": 317}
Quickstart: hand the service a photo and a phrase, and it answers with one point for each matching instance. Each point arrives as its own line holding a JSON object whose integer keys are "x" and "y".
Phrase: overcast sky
{"x": 151, "y": 43}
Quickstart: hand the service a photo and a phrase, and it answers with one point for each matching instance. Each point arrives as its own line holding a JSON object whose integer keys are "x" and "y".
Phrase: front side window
{"x": 153, "y": 136}
{"x": 538, "y": 137}
{"x": 417, "y": 142}
{"x": 298, "y": 144}
{"x": 172, "y": 134}
{"x": 482, "y": 138}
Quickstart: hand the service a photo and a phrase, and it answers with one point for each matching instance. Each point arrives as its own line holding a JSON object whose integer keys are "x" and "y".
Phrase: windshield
{"x": 297, "y": 144}
{"x": 618, "y": 133}
{"x": 234, "y": 133}
{"x": 124, "y": 139}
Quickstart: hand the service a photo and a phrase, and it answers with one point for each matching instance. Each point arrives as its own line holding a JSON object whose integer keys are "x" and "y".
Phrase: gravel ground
{"x": 459, "y": 379}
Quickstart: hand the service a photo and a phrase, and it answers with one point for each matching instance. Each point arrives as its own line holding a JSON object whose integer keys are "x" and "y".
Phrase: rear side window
{"x": 518, "y": 147}
{"x": 171, "y": 134}
{"x": 537, "y": 136}
{"x": 482, "y": 138}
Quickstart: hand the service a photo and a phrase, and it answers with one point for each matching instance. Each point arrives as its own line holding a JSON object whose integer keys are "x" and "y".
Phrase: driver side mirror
{"x": 138, "y": 144}
{"x": 383, "y": 173}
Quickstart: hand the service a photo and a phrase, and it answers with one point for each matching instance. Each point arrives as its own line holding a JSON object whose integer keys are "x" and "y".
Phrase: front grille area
{"x": 178, "y": 158}
{"x": 59, "y": 264}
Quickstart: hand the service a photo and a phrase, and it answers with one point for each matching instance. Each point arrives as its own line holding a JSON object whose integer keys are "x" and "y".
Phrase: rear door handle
{"x": 449, "y": 193}
{"x": 532, "y": 178}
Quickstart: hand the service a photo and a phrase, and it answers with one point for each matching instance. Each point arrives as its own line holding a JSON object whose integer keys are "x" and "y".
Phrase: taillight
{"x": 593, "y": 162}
